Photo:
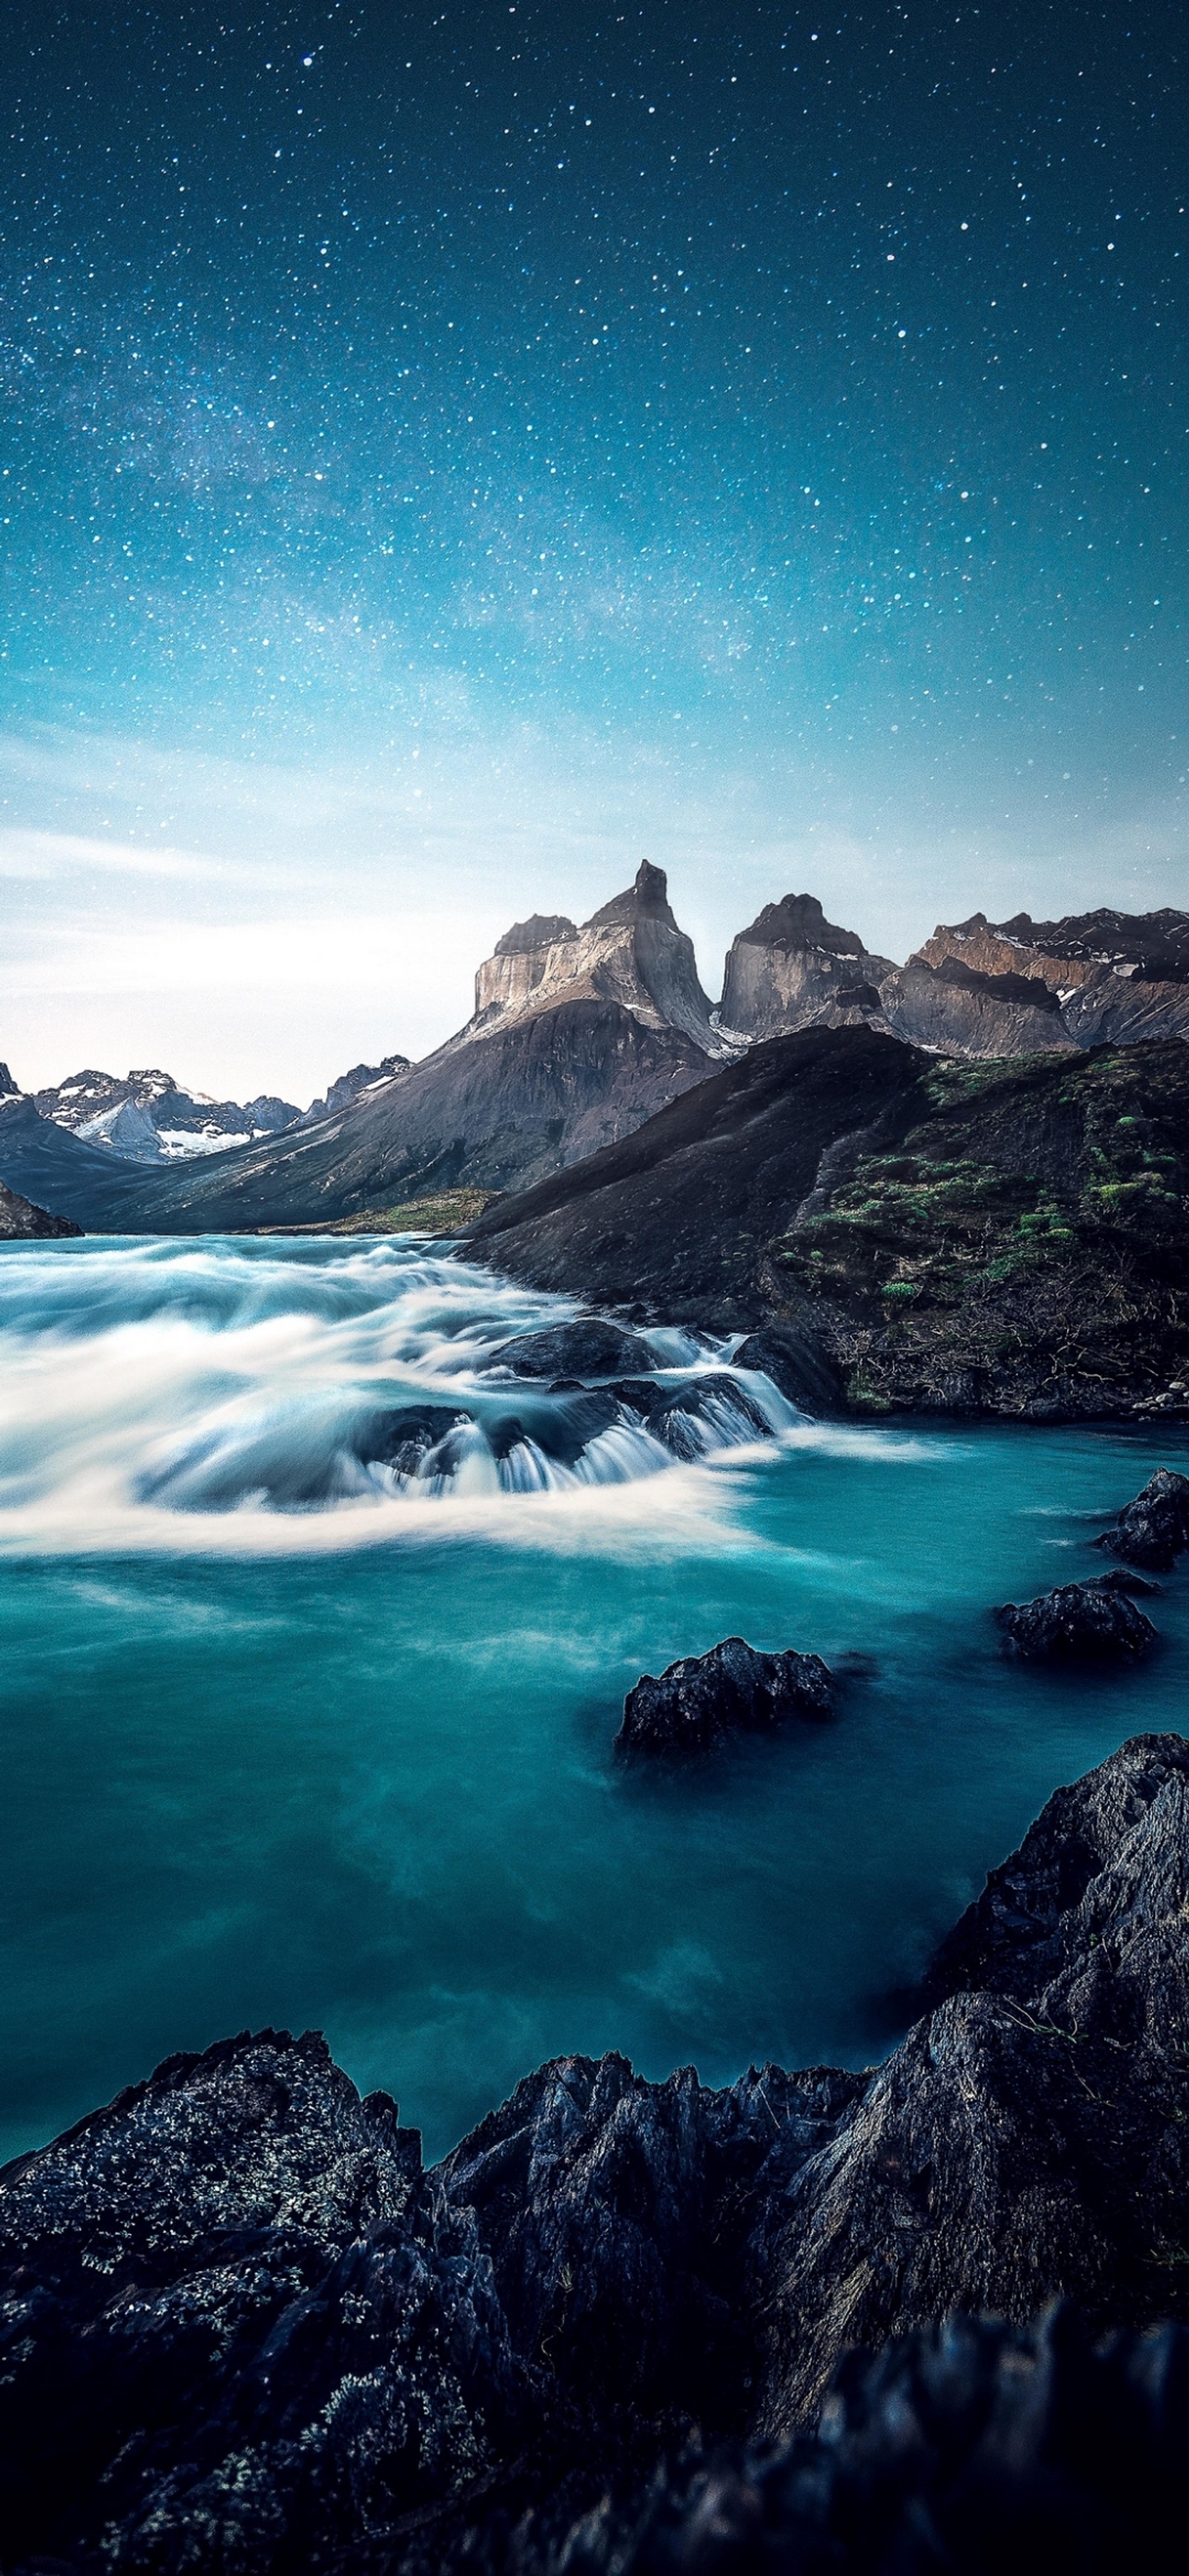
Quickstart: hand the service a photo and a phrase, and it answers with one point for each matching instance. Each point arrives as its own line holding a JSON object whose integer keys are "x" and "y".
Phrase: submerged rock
{"x": 1091, "y": 1622}
{"x": 588, "y": 1348}
{"x": 241, "y": 2328}
{"x": 735, "y": 1689}
{"x": 403, "y": 1439}
{"x": 1154, "y": 1529}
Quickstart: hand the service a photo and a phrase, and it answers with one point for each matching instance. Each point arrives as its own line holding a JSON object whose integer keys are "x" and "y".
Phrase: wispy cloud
{"x": 56, "y": 854}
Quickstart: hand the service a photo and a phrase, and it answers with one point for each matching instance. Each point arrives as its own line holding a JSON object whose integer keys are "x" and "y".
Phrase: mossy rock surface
{"x": 1022, "y": 1247}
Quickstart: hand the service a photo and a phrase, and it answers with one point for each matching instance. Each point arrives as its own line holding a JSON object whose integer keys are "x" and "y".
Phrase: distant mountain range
{"x": 580, "y": 1034}
{"x": 148, "y": 1117}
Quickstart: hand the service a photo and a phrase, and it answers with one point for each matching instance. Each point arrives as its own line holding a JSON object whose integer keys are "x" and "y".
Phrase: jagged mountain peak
{"x": 793, "y": 969}
{"x": 541, "y": 930}
{"x": 1116, "y": 977}
{"x": 798, "y": 921}
{"x": 631, "y": 951}
{"x": 647, "y": 893}
{"x": 1157, "y": 940}
{"x": 146, "y": 1115}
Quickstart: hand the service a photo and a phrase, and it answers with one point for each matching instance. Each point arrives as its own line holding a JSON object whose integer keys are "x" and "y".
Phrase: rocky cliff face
{"x": 979, "y": 989}
{"x": 955, "y": 1008}
{"x": 1008, "y": 988}
{"x": 242, "y": 2327}
{"x": 524, "y": 958}
{"x": 631, "y": 952}
{"x": 793, "y": 969}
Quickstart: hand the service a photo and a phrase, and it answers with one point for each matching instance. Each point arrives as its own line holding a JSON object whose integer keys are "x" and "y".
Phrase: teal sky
{"x": 449, "y": 454}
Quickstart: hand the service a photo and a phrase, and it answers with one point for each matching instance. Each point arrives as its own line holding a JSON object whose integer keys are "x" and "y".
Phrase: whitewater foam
{"x": 235, "y": 1396}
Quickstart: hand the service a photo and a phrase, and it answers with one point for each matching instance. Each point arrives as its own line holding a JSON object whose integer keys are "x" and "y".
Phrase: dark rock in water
{"x": 403, "y": 1439}
{"x": 1122, "y": 1579}
{"x": 21, "y": 1219}
{"x": 242, "y": 2329}
{"x": 714, "y": 1404}
{"x": 732, "y": 1690}
{"x": 1154, "y": 1529}
{"x": 1092, "y": 1622}
{"x": 682, "y": 1416}
{"x": 798, "y": 1368}
{"x": 588, "y": 1348}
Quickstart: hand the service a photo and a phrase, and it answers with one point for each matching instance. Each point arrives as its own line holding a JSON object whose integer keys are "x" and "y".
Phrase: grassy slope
{"x": 442, "y": 1212}
{"x": 1024, "y": 1249}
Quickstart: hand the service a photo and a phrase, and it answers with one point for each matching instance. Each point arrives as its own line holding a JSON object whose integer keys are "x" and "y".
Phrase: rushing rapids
{"x": 331, "y": 1378}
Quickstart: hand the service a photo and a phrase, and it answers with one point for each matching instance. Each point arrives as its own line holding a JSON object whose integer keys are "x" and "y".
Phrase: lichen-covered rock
{"x": 1095, "y": 1622}
{"x": 1154, "y": 1529}
{"x": 734, "y": 1689}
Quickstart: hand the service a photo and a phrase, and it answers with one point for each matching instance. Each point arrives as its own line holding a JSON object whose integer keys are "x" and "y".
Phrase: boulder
{"x": 714, "y": 1410}
{"x": 733, "y": 1690}
{"x": 1154, "y": 1529}
{"x": 1092, "y": 1622}
{"x": 796, "y": 1365}
{"x": 587, "y": 1348}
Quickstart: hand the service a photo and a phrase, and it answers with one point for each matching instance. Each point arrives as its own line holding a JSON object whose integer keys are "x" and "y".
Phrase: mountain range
{"x": 579, "y": 1036}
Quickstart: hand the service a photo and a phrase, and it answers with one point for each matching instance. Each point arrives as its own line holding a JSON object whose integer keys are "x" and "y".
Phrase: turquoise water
{"x": 348, "y": 1763}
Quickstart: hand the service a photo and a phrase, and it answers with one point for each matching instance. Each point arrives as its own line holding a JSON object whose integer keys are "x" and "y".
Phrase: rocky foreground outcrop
{"x": 1007, "y": 1238}
{"x": 242, "y": 2327}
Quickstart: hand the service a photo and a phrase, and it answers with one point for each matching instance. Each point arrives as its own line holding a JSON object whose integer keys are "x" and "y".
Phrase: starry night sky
{"x": 451, "y": 453}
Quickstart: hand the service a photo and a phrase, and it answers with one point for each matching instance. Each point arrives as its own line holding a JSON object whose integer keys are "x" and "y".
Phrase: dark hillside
{"x": 675, "y": 1219}
{"x": 1003, "y": 1237}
